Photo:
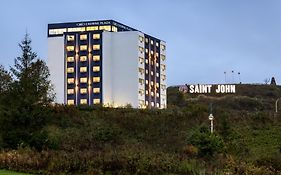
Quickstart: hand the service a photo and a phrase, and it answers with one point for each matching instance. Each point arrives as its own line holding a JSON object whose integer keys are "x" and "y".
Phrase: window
{"x": 163, "y": 47}
{"x": 83, "y": 69}
{"x": 152, "y": 83}
{"x": 163, "y": 67}
{"x": 163, "y": 57}
{"x": 96, "y": 101}
{"x": 151, "y": 42}
{"x": 146, "y": 40}
{"x": 83, "y": 80}
{"x": 96, "y": 58}
{"x": 70, "y": 80}
{"x": 70, "y": 102}
{"x": 96, "y": 68}
{"x": 141, "y": 49}
{"x": 146, "y": 61}
{"x": 83, "y": 47}
{"x": 70, "y": 70}
{"x": 141, "y": 60}
{"x": 146, "y": 71}
{"x": 141, "y": 71}
{"x": 96, "y": 36}
{"x": 141, "y": 81}
{"x": 141, "y": 92}
{"x": 146, "y": 102}
{"x": 70, "y": 37}
{"x": 83, "y": 58}
{"x": 157, "y": 85}
{"x": 114, "y": 29}
{"x": 96, "y": 90}
{"x": 151, "y": 52}
{"x": 70, "y": 48}
{"x": 157, "y": 44}
{"x": 157, "y": 105}
{"x": 157, "y": 64}
{"x": 70, "y": 91}
{"x": 76, "y": 29}
{"x": 141, "y": 39}
{"x": 152, "y": 94}
{"x": 92, "y": 28}
{"x": 157, "y": 54}
{"x": 83, "y": 37}
{"x": 157, "y": 74}
{"x": 96, "y": 79}
{"x": 83, "y": 101}
{"x": 146, "y": 50}
{"x": 146, "y": 81}
{"x": 83, "y": 91}
{"x": 146, "y": 92}
{"x": 70, "y": 59}
{"x": 152, "y": 104}
{"x": 96, "y": 47}
{"x": 57, "y": 31}
{"x": 163, "y": 77}
{"x": 152, "y": 73}
{"x": 157, "y": 94}
{"x": 108, "y": 28}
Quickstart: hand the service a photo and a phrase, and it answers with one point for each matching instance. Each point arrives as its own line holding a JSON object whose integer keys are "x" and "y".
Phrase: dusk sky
{"x": 204, "y": 38}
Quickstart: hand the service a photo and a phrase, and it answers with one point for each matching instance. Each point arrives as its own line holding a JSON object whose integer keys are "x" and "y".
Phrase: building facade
{"x": 108, "y": 63}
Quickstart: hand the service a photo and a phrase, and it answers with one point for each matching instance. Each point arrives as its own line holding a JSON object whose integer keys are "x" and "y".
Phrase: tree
{"x": 29, "y": 94}
{"x": 5, "y": 80}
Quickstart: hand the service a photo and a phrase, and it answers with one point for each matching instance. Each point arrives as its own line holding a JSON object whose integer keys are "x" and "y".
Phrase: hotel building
{"x": 108, "y": 63}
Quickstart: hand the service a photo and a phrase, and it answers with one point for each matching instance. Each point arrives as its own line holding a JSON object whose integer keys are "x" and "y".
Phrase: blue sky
{"x": 204, "y": 38}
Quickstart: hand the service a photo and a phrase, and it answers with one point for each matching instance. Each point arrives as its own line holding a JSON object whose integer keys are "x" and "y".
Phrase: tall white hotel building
{"x": 108, "y": 63}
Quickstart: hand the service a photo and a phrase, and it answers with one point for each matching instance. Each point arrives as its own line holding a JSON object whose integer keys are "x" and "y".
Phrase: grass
{"x": 6, "y": 172}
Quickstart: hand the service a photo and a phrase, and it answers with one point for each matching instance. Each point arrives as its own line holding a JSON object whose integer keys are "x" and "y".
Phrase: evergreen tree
{"x": 24, "y": 113}
{"x": 5, "y": 80}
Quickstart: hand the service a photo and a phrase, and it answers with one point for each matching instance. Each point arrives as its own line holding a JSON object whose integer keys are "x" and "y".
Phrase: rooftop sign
{"x": 208, "y": 89}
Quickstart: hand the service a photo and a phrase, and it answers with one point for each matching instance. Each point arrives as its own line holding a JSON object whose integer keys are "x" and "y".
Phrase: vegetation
{"x": 41, "y": 138}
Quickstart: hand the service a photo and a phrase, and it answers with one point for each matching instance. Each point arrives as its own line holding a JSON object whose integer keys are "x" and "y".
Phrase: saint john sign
{"x": 208, "y": 89}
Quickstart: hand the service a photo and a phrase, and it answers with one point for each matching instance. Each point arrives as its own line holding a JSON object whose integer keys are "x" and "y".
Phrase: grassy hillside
{"x": 95, "y": 140}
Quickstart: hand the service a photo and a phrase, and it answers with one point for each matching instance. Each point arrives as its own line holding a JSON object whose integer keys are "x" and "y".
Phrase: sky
{"x": 205, "y": 38}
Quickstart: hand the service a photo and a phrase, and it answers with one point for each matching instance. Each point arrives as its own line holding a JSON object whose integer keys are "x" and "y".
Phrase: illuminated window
{"x": 146, "y": 71}
{"x": 152, "y": 83}
{"x": 146, "y": 81}
{"x": 163, "y": 57}
{"x": 76, "y": 29}
{"x": 151, "y": 52}
{"x": 70, "y": 102}
{"x": 83, "y": 80}
{"x": 141, "y": 60}
{"x": 157, "y": 105}
{"x": 157, "y": 44}
{"x": 96, "y": 79}
{"x": 70, "y": 37}
{"x": 83, "y": 37}
{"x": 83, "y": 58}
{"x": 141, "y": 81}
{"x": 157, "y": 94}
{"x": 70, "y": 70}
{"x": 108, "y": 28}
{"x": 96, "y": 47}
{"x": 146, "y": 102}
{"x": 146, "y": 40}
{"x": 70, "y": 91}
{"x": 152, "y": 104}
{"x": 151, "y": 42}
{"x": 157, "y": 85}
{"x": 152, "y": 73}
{"x": 152, "y": 94}
{"x": 70, "y": 59}
{"x": 157, "y": 54}
{"x": 146, "y": 92}
{"x": 96, "y": 58}
{"x": 163, "y": 47}
{"x": 96, "y": 36}
{"x": 157, "y": 74}
{"x": 92, "y": 28}
{"x": 96, "y": 68}
{"x": 146, "y": 61}
{"x": 157, "y": 64}
{"x": 114, "y": 29}
{"x": 146, "y": 50}
{"x": 83, "y": 47}
{"x": 70, "y": 48}
{"x": 96, "y": 90}
{"x": 83, "y": 101}
{"x": 57, "y": 31}
{"x": 96, "y": 101}
{"x": 141, "y": 49}
{"x": 141, "y": 39}
{"x": 70, "y": 80}
{"x": 83, "y": 91}
{"x": 83, "y": 69}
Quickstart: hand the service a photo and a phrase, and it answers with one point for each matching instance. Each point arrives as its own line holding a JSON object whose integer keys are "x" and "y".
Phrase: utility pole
{"x": 211, "y": 118}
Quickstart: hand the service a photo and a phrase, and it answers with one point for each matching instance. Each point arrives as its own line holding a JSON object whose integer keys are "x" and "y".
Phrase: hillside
{"x": 96, "y": 140}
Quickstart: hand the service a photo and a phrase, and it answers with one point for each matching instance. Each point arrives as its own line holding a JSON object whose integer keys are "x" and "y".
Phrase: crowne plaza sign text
{"x": 207, "y": 89}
